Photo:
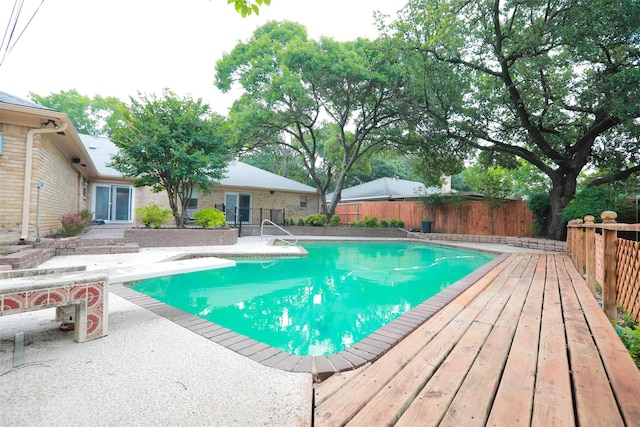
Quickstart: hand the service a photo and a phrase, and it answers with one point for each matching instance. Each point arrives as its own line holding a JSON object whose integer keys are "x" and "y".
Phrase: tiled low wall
{"x": 86, "y": 291}
{"x": 151, "y": 238}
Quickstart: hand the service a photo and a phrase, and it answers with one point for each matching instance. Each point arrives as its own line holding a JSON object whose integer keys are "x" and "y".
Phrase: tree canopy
{"x": 556, "y": 84}
{"x": 173, "y": 144}
{"x": 89, "y": 115}
{"x": 328, "y": 101}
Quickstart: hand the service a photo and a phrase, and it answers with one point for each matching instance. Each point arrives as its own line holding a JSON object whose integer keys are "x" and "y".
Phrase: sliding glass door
{"x": 113, "y": 203}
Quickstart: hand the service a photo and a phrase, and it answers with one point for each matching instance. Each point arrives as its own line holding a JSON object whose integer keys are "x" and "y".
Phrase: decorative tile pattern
{"x": 91, "y": 295}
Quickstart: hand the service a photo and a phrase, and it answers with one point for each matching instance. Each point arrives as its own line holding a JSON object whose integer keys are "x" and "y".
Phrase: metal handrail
{"x": 267, "y": 221}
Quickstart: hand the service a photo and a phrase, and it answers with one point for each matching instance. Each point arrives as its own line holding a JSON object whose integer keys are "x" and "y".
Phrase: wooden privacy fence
{"x": 512, "y": 218}
{"x": 613, "y": 262}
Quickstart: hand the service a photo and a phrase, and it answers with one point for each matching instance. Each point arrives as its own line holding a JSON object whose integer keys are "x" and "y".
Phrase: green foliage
{"x": 335, "y": 221}
{"x": 89, "y": 115}
{"x": 289, "y": 221}
{"x": 172, "y": 144}
{"x": 556, "y": 86}
{"x": 300, "y": 222}
{"x": 367, "y": 221}
{"x": 290, "y": 81}
{"x": 630, "y": 336}
{"x": 539, "y": 205}
{"x": 6, "y": 251}
{"x": 316, "y": 220}
{"x": 595, "y": 200}
{"x": 384, "y": 223}
{"x": 278, "y": 159}
{"x": 396, "y": 223}
{"x": 210, "y": 218}
{"x": 74, "y": 222}
{"x": 492, "y": 182}
{"x": 153, "y": 216}
{"x": 248, "y": 7}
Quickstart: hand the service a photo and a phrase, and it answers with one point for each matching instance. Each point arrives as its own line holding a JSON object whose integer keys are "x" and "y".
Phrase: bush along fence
{"x": 605, "y": 259}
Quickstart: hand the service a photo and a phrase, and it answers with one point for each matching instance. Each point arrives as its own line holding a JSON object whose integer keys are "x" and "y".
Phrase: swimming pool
{"x": 319, "y": 304}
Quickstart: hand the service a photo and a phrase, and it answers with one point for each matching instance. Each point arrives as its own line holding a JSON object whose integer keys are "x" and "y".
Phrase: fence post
{"x": 590, "y": 252}
{"x": 609, "y": 240}
{"x": 579, "y": 247}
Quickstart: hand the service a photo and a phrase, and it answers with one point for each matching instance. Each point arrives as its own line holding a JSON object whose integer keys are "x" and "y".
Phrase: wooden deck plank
{"x": 391, "y": 401}
{"x": 623, "y": 375}
{"x": 339, "y": 407}
{"x": 594, "y": 399}
{"x": 514, "y": 399}
{"x": 531, "y": 348}
{"x": 474, "y": 398}
{"x": 552, "y": 402}
{"x": 432, "y": 402}
{"x": 429, "y": 406}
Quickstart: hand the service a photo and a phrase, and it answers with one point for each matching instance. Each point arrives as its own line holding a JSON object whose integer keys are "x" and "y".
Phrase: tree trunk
{"x": 563, "y": 190}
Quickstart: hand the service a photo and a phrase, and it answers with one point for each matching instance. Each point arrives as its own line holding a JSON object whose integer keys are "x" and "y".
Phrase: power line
{"x": 12, "y": 25}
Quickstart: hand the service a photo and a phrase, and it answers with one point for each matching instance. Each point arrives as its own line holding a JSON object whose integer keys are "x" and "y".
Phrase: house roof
{"x": 21, "y": 112}
{"x": 101, "y": 150}
{"x": 386, "y": 189}
{"x": 7, "y": 98}
{"x": 238, "y": 174}
{"x": 241, "y": 174}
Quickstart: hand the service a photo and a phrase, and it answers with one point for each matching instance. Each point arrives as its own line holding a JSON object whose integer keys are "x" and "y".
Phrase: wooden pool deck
{"x": 526, "y": 345}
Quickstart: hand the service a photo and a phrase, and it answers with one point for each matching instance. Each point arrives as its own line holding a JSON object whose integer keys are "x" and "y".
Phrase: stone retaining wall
{"x": 152, "y": 238}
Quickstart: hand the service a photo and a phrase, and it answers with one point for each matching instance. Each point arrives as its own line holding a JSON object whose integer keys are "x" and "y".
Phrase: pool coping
{"x": 364, "y": 351}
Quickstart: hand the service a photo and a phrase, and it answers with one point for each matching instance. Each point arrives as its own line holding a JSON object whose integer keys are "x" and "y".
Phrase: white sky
{"x": 119, "y": 47}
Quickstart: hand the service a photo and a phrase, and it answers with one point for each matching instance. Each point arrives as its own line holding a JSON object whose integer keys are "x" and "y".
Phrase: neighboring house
{"x": 44, "y": 170}
{"x": 47, "y": 169}
{"x": 390, "y": 189}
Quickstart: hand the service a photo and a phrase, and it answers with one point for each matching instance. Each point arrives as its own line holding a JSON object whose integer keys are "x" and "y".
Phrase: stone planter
{"x": 164, "y": 237}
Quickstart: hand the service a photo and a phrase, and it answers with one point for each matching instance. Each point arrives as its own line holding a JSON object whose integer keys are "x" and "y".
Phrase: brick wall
{"x": 61, "y": 192}
{"x": 259, "y": 199}
{"x": 11, "y": 182}
{"x": 148, "y": 238}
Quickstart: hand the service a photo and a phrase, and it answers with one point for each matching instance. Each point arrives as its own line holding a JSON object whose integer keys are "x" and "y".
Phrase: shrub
{"x": 210, "y": 218}
{"x": 371, "y": 221}
{"x": 316, "y": 220}
{"x": 289, "y": 221}
{"x": 86, "y": 216}
{"x": 384, "y": 223}
{"x": 153, "y": 216}
{"x": 300, "y": 221}
{"x": 335, "y": 221}
{"x": 631, "y": 338}
{"x": 73, "y": 223}
{"x": 396, "y": 223}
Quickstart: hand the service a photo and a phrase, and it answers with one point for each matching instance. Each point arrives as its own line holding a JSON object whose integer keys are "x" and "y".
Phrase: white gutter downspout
{"x": 28, "y": 165}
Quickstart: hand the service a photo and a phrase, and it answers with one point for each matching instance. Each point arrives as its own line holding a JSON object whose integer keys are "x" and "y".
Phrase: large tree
{"x": 556, "y": 83}
{"x": 173, "y": 144}
{"x": 88, "y": 115}
{"x": 326, "y": 100}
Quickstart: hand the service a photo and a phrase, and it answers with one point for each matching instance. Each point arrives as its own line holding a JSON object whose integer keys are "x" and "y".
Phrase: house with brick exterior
{"x": 246, "y": 193}
{"x": 44, "y": 170}
{"x": 47, "y": 169}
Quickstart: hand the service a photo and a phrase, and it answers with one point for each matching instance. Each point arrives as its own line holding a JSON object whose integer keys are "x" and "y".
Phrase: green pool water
{"x": 320, "y": 304}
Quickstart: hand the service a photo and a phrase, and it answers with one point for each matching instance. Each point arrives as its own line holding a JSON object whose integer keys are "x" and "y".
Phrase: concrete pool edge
{"x": 365, "y": 351}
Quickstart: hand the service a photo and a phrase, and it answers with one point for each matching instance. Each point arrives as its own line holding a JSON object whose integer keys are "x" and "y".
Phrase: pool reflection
{"x": 321, "y": 304}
